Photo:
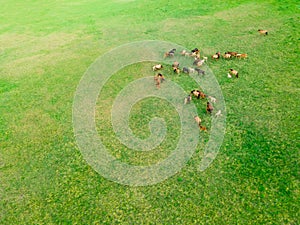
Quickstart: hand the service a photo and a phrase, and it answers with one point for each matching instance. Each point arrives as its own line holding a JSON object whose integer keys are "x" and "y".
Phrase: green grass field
{"x": 46, "y": 47}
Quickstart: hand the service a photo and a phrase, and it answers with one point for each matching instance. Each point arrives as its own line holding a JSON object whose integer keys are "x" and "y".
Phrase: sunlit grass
{"x": 45, "y": 48}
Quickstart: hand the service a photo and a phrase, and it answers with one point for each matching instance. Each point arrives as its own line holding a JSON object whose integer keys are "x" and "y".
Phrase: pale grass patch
{"x": 28, "y": 44}
{"x": 28, "y": 54}
{"x": 31, "y": 64}
{"x": 123, "y": 1}
{"x": 201, "y": 23}
{"x": 246, "y": 10}
{"x": 36, "y": 126}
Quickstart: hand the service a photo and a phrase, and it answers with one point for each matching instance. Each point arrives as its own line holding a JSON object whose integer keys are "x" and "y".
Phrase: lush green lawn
{"x": 45, "y": 48}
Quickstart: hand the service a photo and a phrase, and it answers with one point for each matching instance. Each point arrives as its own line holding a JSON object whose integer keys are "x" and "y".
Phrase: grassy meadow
{"x": 46, "y": 47}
